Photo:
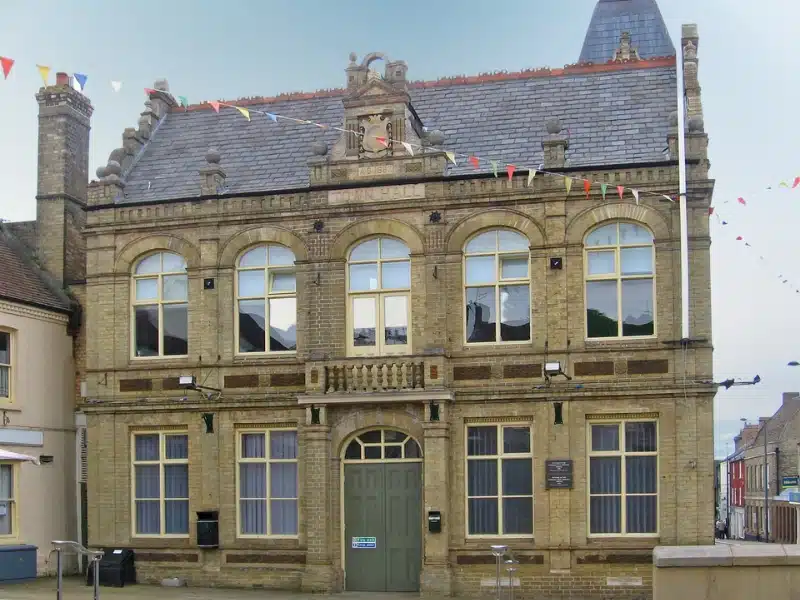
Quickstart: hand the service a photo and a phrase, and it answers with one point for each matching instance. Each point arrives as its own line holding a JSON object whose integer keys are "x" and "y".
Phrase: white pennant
{"x": 636, "y": 195}
{"x": 408, "y": 148}
{"x": 116, "y": 85}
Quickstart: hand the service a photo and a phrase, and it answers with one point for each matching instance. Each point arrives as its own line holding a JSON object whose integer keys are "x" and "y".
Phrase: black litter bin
{"x": 116, "y": 568}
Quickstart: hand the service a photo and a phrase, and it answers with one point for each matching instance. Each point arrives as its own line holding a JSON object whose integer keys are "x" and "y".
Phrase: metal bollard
{"x": 96, "y": 560}
{"x": 511, "y": 567}
{"x": 58, "y": 574}
{"x": 498, "y": 552}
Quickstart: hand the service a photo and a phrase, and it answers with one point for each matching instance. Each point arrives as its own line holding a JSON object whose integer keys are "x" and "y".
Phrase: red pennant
{"x": 587, "y": 186}
{"x": 382, "y": 140}
{"x": 149, "y": 91}
{"x": 739, "y": 238}
{"x": 741, "y": 201}
{"x": 215, "y": 106}
{"x": 621, "y": 190}
{"x": 7, "y": 64}
{"x": 796, "y": 179}
{"x": 474, "y": 161}
{"x": 510, "y": 170}
{"x": 710, "y": 210}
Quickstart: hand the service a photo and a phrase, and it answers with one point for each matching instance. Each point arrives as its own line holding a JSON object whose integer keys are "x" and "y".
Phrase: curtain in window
{"x": 4, "y": 382}
{"x": 253, "y": 494}
{"x": 148, "y": 499}
{"x": 6, "y": 495}
{"x": 605, "y": 510}
{"x": 176, "y": 499}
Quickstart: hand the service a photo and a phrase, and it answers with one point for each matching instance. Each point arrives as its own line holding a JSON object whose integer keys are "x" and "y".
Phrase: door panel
{"x": 403, "y": 526}
{"x": 364, "y": 517}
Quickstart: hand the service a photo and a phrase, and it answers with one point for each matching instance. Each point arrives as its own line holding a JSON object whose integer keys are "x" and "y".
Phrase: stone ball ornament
{"x": 212, "y": 156}
{"x": 553, "y": 126}
{"x": 319, "y": 148}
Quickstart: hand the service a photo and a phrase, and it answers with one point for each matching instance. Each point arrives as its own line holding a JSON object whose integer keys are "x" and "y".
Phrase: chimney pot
{"x": 62, "y": 79}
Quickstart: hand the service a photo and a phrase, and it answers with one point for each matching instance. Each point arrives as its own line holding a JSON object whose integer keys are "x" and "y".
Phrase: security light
{"x": 552, "y": 369}
{"x": 187, "y": 381}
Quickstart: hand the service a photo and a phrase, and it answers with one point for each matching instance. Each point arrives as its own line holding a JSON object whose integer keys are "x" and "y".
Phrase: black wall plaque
{"x": 558, "y": 474}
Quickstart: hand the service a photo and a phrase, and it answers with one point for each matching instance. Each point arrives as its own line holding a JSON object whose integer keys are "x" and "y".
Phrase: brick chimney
{"x": 63, "y": 175}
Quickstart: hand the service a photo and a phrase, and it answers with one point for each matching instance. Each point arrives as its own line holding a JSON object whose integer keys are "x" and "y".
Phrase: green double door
{"x": 383, "y": 526}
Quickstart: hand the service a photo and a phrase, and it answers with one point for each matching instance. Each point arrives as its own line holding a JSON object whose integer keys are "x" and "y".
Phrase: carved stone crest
{"x": 375, "y": 136}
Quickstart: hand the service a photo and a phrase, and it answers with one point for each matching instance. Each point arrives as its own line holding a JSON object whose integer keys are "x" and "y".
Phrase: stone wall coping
{"x": 726, "y": 555}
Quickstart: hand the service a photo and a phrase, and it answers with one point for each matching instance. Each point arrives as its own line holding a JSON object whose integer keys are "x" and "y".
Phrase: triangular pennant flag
{"x": 794, "y": 185}
{"x": 183, "y": 101}
{"x": 214, "y": 105}
{"x": 603, "y": 188}
{"x": 81, "y": 79}
{"x": 494, "y": 167}
{"x": 710, "y": 210}
{"x": 783, "y": 184}
{"x": 620, "y": 191}
{"x": 747, "y": 244}
{"x": 451, "y": 157}
{"x": 149, "y": 91}
{"x": 244, "y": 111}
{"x": 587, "y": 187}
{"x": 44, "y": 72}
{"x": 739, "y": 238}
{"x": 408, "y": 148}
{"x": 7, "y": 63}
{"x": 474, "y": 161}
{"x": 670, "y": 198}
{"x": 742, "y": 202}
{"x": 724, "y": 222}
{"x": 636, "y": 195}
{"x": 272, "y": 117}
{"x": 531, "y": 175}
{"x": 510, "y": 170}
{"x": 116, "y": 85}
{"x": 382, "y": 141}
{"x": 568, "y": 184}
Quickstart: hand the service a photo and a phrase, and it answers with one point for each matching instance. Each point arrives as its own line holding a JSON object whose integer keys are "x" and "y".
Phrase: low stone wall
{"x": 727, "y": 572}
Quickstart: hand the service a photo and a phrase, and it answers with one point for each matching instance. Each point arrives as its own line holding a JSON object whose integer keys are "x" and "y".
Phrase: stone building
{"x": 364, "y": 328}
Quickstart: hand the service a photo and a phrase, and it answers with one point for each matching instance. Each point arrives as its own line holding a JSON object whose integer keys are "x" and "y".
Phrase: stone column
{"x": 316, "y": 456}
{"x": 436, "y": 576}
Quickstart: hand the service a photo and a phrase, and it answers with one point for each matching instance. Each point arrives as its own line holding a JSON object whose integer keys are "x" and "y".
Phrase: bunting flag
{"x": 6, "y": 63}
{"x": 473, "y": 160}
{"x": 409, "y": 149}
{"x": 635, "y": 195}
{"x": 44, "y": 72}
{"x": 116, "y": 85}
{"x": 587, "y": 187}
{"x": 621, "y": 191}
{"x": 382, "y": 140}
{"x": 494, "y": 167}
{"x": 215, "y": 106}
{"x": 568, "y": 184}
{"x": 783, "y": 184}
{"x": 81, "y": 79}
{"x": 451, "y": 157}
{"x": 531, "y": 175}
{"x": 741, "y": 201}
{"x": 244, "y": 111}
{"x": 150, "y": 91}
{"x": 710, "y": 210}
{"x": 603, "y": 189}
{"x": 739, "y": 238}
{"x": 794, "y": 185}
{"x": 510, "y": 170}
{"x": 271, "y": 117}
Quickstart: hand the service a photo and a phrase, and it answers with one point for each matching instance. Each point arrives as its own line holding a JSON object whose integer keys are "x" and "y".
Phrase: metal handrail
{"x": 60, "y": 546}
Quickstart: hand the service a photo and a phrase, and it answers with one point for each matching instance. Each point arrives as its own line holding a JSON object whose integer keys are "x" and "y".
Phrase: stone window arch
{"x": 497, "y": 291}
{"x": 619, "y": 258}
{"x": 379, "y": 297}
{"x": 160, "y": 306}
{"x": 382, "y": 444}
{"x": 266, "y": 300}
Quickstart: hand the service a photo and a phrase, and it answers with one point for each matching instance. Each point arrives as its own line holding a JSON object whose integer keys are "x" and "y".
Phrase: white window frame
{"x": 9, "y": 366}
{"x": 379, "y": 294}
{"x": 162, "y": 462}
{"x": 498, "y": 283}
{"x": 618, "y": 278}
{"x": 268, "y": 295}
{"x": 498, "y": 458}
{"x": 266, "y": 431}
{"x": 159, "y": 302}
{"x": 12, "y": 502}
{"x": 622, "y": 454}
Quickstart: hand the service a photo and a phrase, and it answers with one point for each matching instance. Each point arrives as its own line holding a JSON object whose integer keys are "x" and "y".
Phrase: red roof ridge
{"x": 574, "y": 69}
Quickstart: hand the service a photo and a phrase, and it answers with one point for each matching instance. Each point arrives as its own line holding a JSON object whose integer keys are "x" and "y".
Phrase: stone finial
{"x": 213, "y": 156}
{"x": 319, "y": 148}
{"x": 212, "y": 175}
{"x": 673, "y": 119}
{"x": 690, "y": 51}
{"x": 625, "y": 52}
{"x": 434, "y": 138}
{"x": 353, "y": 58}
{"x": 113, "y": 168}
{"x": 553, "y": 126}
{"x": 162, "y": 85}
{"x": 696, "y": 124}
{"x": 555, "y": 144}
{"x": 101, "y": 172}
{"x": 117, "y": 155}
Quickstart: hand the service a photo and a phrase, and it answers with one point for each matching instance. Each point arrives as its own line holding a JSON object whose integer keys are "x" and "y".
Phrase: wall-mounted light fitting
{"x": 208, "y": 421}
{"x": 434, "y": 408}
{"x": 553, "y": 369}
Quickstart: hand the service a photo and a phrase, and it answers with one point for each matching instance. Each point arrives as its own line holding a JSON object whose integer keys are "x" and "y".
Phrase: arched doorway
{"x": 382, "y": 506}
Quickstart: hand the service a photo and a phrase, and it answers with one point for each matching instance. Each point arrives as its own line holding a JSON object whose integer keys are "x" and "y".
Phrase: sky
{"x": 211, "y": 50}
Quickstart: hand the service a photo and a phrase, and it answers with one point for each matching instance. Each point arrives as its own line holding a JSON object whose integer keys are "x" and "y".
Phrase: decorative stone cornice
{"x": 31, "y": 312}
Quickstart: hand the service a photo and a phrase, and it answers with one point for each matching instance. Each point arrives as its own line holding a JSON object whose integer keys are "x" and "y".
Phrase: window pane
{"x": 513, "y": 268}
{"x": 176, "y": 287}
{"x": 176, "y": 329}
{"x": 176, "y": 447}
{"x": 365, "y": 251}
{"x": 393, "y": 451}
{"x": 148, "y": 517}
{"x": 176, "y": 516}
{"x": 176, "y": 481}
{"x": 517, "y": 515}
{"x": 482, "y": 441}
{"x": 482, "y": 477}
{"x": 173, "y": 263}
{"x": 640, "y": 437}
{"x": 637, "y": 261}
{"x": 602, "y": 263}
{"x": 605, "y": 438}
{"x": 363, "y": 277}
{"x": 283, "y": 515}
{"x": 251, "y": 283}
{"x": 485, "y": 242}
{"x": 253, "y": 445}
{"x": 604, "y": 475}
{"x": 393, "y": 437}
{"x": 6, "y": 482}
{"x": 481, "y": 269}
{"x": 253, "y": 517}
{"x": 252, "y": 326}
{"x": 280, "y": 255}
{"x": 396, "y": 275}
{"x": 252, "y": 480}
{"x": 630, "y": 233}
{"x": 393, "y": 248}
{"x": 640, "y": 474}
{"x": 145, "y": 330}
{"x": 601, "y": 309}
{"x": 371, "y": 437}
{"x": 372, "y": 452}
{"x": 411, "y": 449}
{"x": 283, "y": 480}
{"x": 482, "y": 516}
{"x": 282, "y": 283}
{"x": 364, "y": 321}
{"x": 517, "y": 477}
{"x": 353, "y": 450}
{"x": 642, "y": 514}
{"x": 481, "y": 315}
{"x": 605, "y": 514}
{"x": 283, "y": 444}
{"x": 257, "y": 257}
{"x": 603, "y": 236}
{"x": 395, "y": 319}
{"x": 515, "y": 313}
{"x": 146, "y": 484}
{"x": 282, "y": 324}
{"x": 511, "y": 240}
{"x": 516, "y": 440}
{"x": 146, "y": 447}
{"x": 146, "y": 289}
{"x": 151, "y": 264}
{"x": 637, "y": 307}
{"x": 5, "y": 348}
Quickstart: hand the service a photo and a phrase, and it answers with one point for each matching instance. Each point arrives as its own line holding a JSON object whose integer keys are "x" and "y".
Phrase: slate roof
{"x": 641, "y": 18}
{"x": 22, "y": 281}
{"x": 613, "y": 115}
{"x": 777, "y": 424}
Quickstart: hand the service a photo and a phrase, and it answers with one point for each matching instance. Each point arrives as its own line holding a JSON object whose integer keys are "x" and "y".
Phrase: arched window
{"x": 266, "y": 295}
{"x": 379, "y": 307}
{"x": 383, "y": 444}
{"x": 496, "y": 274}
{"x": 160, "y": 306}
{"x": 620, "y": 281}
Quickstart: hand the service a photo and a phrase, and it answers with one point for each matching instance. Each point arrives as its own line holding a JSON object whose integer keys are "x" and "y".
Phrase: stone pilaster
{"x": 316, "y": 445}
{"x": 436, "y": 578}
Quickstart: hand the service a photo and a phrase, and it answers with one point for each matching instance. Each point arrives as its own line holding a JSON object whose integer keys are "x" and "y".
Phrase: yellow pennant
{"x": 44, "y": 72}
{"x": 531, "y": 175}
{"x": 451, "y": 157}
{"x": 244, "y": 111}
{"x": 568, "y": 184}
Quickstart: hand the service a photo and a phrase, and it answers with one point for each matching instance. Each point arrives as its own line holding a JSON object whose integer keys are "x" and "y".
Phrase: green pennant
{"x": 603, "y": 188}
{"x": 183, "y": 101}
{"x": 494, "y": 167}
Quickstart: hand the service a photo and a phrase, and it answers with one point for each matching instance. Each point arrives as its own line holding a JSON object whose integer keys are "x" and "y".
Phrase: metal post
{"x": 511, "y": 567}
{"x": 498, "y": 552}
{"x": 96, "y": 578}
{"x": 58, "y": 574}
{"x": 766, "y": 486}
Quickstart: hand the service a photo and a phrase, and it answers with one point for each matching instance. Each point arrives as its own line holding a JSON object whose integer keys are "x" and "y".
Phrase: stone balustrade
{"x": 354, "y": 376}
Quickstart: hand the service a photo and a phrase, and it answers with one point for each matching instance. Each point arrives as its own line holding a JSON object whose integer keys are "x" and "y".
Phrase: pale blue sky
{"x": 211, "y": 49}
